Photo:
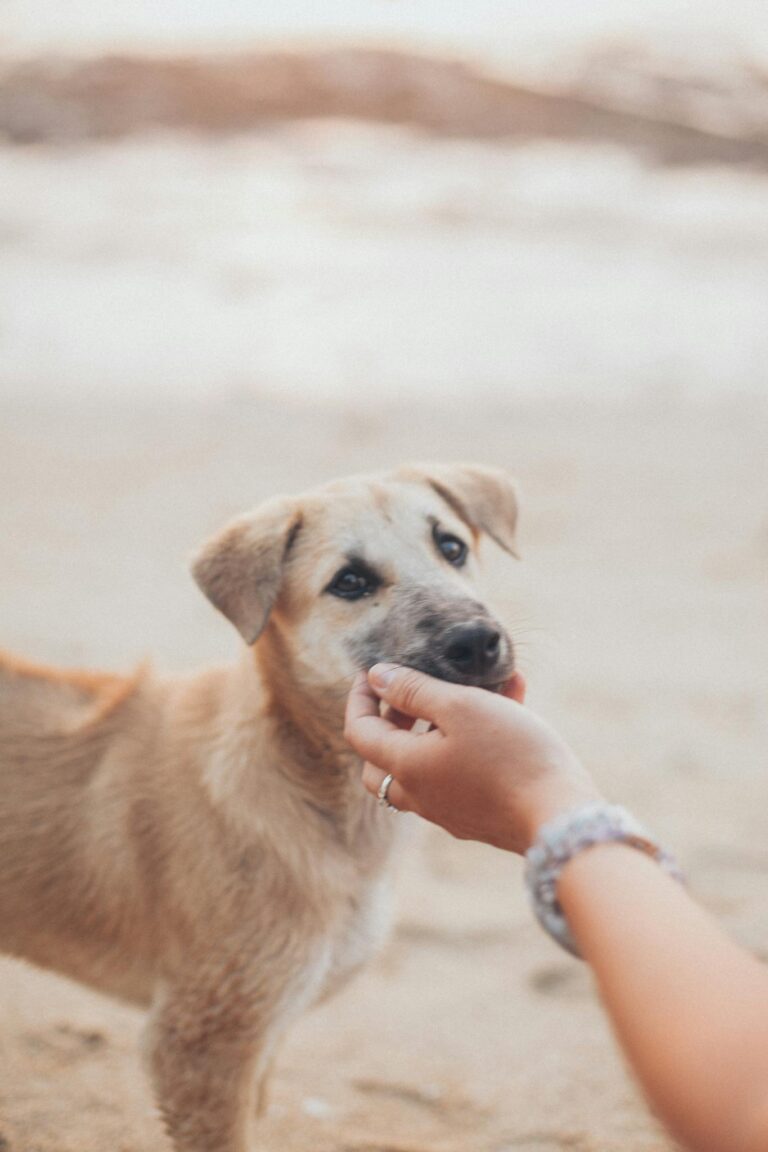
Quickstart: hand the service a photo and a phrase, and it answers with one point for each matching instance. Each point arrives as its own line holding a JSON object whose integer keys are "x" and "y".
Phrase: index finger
{"x": 375, "y": 737}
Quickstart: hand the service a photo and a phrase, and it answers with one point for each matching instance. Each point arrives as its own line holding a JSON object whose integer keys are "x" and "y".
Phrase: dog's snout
{"x": 446, "y": 635}
{"x": 473, "y": 648}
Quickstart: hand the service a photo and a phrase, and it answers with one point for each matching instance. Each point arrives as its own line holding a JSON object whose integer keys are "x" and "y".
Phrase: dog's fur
{"x": 202, "y": 845}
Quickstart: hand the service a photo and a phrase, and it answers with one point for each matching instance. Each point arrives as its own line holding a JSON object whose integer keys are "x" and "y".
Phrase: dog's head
{"x": 374, "y": 567}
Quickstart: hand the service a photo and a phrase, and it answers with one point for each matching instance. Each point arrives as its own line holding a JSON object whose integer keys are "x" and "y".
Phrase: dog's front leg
{"x": 210, "y": 1044}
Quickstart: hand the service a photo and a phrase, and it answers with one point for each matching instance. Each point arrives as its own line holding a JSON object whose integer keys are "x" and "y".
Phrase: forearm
{"x": 689, "y": 1007}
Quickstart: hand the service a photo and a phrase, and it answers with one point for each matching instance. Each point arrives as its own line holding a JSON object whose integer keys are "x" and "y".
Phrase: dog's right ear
{"x": 240, "y": 570}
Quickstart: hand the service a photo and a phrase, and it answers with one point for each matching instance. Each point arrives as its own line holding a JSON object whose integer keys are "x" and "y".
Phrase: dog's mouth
{"x": 493, "y": 672}
{"x": 495, "y": 683}
{"x": 498, "y": 687}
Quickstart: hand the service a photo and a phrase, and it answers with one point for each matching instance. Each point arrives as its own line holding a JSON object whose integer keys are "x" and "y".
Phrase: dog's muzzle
{"x": 451, "y": 638}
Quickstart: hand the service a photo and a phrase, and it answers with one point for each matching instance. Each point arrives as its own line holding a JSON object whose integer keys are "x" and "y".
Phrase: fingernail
{"x": 381, "y": 674}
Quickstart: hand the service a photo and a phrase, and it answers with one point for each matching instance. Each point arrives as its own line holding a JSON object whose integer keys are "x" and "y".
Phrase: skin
{"x": 689, "y": 1007}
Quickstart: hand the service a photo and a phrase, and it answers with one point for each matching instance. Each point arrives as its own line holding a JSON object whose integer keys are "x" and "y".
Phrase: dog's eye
{"x": 352, "y": 584}
{"x": 454, "y": 550}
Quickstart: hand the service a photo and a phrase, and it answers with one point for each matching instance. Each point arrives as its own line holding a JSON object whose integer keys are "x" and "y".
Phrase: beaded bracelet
{"x": 561, "y": 840}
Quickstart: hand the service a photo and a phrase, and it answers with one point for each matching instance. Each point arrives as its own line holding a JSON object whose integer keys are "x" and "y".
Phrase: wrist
{"x": 576, "y": 835}
{"x": 553, "y": 799}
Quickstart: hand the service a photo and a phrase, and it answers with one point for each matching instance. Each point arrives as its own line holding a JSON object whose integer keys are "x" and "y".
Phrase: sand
{"x": 639, "y": 610}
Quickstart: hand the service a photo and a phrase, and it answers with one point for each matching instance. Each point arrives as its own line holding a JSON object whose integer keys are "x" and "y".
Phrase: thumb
{"x": 411, "y": 692}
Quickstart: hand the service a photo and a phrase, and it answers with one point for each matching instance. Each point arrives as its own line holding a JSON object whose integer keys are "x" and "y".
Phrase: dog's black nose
{"x": 473, "y": 649}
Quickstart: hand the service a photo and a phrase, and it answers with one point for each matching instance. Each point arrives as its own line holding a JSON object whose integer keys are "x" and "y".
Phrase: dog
{"x": 202, "y": 845}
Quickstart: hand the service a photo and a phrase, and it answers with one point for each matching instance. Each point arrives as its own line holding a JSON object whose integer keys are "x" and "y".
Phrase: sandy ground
{"x": 639, "y": 609}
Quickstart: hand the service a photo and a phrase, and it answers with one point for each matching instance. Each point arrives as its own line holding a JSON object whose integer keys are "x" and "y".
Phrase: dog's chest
{"x": 360, "y": 933}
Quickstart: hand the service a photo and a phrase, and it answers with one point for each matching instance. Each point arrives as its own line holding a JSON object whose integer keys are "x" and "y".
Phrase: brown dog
{"x": 202, "y": 845}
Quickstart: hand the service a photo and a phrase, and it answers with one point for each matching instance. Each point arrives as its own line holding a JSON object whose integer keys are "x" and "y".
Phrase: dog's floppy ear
{"x": 485, "y": 498}
{"x": 241, "y": 568}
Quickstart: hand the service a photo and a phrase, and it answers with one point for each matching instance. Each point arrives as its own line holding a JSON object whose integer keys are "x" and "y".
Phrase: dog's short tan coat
{"x": 202, "y": 845}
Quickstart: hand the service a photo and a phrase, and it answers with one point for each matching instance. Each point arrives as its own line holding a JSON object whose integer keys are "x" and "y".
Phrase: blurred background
{"x": 245, "y": 248}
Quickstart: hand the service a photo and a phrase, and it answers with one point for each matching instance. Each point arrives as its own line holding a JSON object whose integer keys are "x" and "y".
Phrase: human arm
{"x": 689, "y": 1007}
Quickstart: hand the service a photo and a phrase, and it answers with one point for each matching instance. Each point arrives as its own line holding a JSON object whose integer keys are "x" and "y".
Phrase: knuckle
{"x": 406, "y": 780}
{"x": 402, "y": 770}
{"x": 352, "y": 735}
{"x": 389, "y": 759}
{"x": 402, "y": 765}
{"x": 408, "y": 763}
{"x": 461, "y": 708}
{"x": 410, "y": 690}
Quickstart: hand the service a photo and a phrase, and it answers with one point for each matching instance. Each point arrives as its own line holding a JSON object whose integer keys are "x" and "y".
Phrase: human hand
{"x": 490, "y": 769}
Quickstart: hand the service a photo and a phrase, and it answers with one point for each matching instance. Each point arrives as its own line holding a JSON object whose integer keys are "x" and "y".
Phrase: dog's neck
{"x": 311, "y": 720}
{"x": 308, "y": 750}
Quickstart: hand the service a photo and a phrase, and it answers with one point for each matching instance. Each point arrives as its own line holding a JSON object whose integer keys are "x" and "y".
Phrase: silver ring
{"x": 383, "y": 793}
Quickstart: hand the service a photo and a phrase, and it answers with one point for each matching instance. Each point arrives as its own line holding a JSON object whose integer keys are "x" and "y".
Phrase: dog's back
{"x": 38, "y": 701}
{"x": 55, "y": 730}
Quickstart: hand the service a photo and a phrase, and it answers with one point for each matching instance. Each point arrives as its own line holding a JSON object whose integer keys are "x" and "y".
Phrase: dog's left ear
{"x": 240, "y": 569}
{"x": 485, "y": 498}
